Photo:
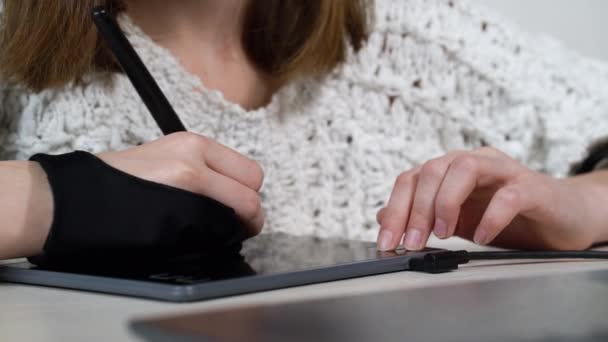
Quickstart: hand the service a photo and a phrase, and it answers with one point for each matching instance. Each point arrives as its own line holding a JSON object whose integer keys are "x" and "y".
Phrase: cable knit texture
{"x": 435, "y": 75}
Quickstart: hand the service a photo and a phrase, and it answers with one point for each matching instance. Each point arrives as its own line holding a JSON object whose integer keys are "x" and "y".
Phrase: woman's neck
{"x": 218, "y": 22}
{"x": 205, "y": 35}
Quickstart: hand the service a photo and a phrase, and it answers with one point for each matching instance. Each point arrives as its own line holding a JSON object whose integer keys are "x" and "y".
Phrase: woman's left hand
{"x": 487, "y": 197}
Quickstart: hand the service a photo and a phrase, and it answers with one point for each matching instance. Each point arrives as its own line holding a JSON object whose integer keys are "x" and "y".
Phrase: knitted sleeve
{"x": 491, "y": 83}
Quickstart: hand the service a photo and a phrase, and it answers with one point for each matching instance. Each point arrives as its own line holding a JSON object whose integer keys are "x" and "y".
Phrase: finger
{"x": 504, "y": 206}
{"x": 464, "y": 175}
{"x": 422, "y": 217}
{"x": 244, "y": 200}
{"x": 234, "y": 165}
{"x": 395, "y": 215}
{"x": 221, "y": 159}
{"x": 380, "y": 215}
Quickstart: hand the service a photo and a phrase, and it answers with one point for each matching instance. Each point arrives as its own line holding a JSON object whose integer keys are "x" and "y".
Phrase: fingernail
{"x": 385, "y": 240}
{"x": 413, "y": 240}
{"x": 441, "y": 228}
{"x": 480, "y": 237}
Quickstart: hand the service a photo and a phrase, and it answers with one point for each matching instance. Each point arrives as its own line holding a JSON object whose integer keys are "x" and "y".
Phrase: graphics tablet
{"x": 268, "y": 261}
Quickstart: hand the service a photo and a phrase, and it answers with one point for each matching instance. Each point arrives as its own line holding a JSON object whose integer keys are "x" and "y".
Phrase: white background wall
{"x": 581, "y": 24}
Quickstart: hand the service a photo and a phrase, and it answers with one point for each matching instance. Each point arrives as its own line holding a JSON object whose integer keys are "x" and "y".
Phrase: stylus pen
{"x": 145, "y": 85}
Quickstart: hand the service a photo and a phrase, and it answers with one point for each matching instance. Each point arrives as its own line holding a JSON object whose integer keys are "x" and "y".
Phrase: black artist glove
{"x": 105, "y": 216}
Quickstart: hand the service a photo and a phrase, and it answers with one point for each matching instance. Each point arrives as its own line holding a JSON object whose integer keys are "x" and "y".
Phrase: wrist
{"x": 41, "y": 209}
{"x": 586, "y": 195}
{"x": 26, "y": 209}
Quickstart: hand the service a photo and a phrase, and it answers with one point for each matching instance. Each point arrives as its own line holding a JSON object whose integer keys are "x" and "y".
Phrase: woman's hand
{"x": 487, "y": 197}
{"x": 198, "y": 164}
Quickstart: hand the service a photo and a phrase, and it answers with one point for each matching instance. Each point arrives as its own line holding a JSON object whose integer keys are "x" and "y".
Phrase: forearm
{"x": 593, "y": 196}
{"x": 26, "y": 209}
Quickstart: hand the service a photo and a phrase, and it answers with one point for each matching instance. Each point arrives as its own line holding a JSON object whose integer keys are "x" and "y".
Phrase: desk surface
{"x": 29, "y": 313}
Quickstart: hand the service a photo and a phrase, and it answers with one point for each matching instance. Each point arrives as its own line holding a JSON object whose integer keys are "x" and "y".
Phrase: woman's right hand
{"x": 198, "y": 164}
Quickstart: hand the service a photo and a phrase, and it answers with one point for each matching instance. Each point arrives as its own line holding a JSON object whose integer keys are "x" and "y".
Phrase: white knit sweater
{"x": 435, "y": 75}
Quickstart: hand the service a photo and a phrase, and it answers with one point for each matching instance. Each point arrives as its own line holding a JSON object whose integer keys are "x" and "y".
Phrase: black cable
{"x": 537, "y": 255}
{"x": 445, "y": 261}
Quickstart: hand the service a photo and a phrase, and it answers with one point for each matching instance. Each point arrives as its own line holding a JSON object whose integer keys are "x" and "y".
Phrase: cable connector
{"x": 439, "y": 262}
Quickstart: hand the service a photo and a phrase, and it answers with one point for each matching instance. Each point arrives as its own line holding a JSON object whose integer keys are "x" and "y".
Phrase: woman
{"x": 475, "y": 120}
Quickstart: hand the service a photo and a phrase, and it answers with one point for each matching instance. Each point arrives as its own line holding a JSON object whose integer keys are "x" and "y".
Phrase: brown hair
{"x": 50, "y": 43}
